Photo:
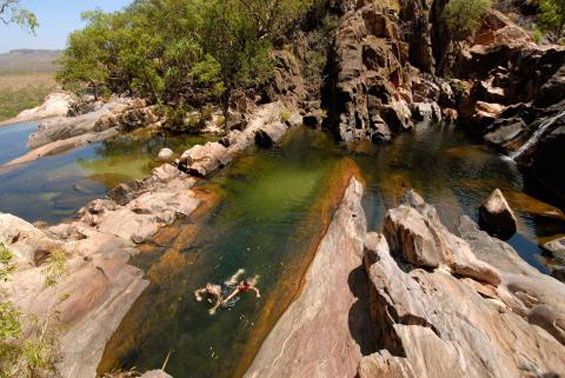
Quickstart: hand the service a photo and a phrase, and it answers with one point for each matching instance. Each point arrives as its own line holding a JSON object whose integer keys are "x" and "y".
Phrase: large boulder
{"x": 201, "y": 160}
{"x": 270, "y": 134}
{"x": 432, "y": 322}
{"x": 497, "y": 217}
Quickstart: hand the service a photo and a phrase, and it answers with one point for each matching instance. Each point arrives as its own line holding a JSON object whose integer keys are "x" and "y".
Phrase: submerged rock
{"x": 156, "y": 374}
{"x": 497, "y": 217}
{"x": 165, "y": 154}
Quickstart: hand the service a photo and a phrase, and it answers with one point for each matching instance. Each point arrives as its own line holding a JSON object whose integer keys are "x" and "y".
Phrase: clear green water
{"x": 55, "y": 187}
{"x": 266, "y": 221}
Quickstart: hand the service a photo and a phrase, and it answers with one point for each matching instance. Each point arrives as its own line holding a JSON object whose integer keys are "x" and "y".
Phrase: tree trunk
{"x": 95, "y": 89}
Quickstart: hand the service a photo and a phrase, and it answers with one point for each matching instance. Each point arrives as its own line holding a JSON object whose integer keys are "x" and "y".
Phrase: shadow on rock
{"x": 359, "y": 316}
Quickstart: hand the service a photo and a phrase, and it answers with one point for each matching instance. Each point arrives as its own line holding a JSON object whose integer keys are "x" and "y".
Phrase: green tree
{"x": 552, "y": 16}
{"x": 463, "y": 17}
{"x": 12, "y": 12}
{"x": 235, "y": 41}
{"x": 180, "y": 53}
{"x": 83, "y": 61}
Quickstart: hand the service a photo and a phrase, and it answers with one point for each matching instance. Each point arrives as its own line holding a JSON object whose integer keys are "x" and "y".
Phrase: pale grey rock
{"x": 270, "y": 134}
{"x": 27, "y": 243}
{"x": 55, "y": 105}
{"x": 156, "y": 374}
{"x": 64, "y": 145}
{"x": 434, "y": 324}
{"x": 295, "y": 120}
{"x": 556, "y": 247}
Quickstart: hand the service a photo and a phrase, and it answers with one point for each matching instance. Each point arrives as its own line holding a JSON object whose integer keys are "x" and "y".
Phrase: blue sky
{"x": 57, "y": 18}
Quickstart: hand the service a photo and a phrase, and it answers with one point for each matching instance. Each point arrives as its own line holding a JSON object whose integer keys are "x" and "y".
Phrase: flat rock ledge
{"x": 439, "y": 305}
{"x": 265, "y": 129}
{"x": 101, "y": 285}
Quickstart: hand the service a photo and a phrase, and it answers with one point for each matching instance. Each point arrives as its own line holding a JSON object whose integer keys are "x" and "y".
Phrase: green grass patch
{"x": 23, "y": 91}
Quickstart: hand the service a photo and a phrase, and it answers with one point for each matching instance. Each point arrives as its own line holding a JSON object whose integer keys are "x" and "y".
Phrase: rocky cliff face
{"x": 515, "y": 95}
{"x": 439, "y": 305}
{"x": 387, "y": 72}
{"x": 377, "y": 89}
{"x": 445, "y": 323}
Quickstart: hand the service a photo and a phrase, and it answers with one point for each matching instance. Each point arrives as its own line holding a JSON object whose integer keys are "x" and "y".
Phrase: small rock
{"x": 166, "y": 154}
{"x": 156, "y": 374}
{"x": 556, "y": 247}
{"x": 496, "y": 216}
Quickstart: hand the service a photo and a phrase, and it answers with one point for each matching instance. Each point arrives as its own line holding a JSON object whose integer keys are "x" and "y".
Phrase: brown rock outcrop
{"x": 497, "y": 217}
{"x": 433, "y": 323}
{"x": 375, "y": 85}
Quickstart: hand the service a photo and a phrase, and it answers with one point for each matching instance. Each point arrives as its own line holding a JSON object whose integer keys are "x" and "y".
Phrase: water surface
{"x": 53, "y": 188}
{"x": 265, "y": 220}
{"x": 13, "y": 140}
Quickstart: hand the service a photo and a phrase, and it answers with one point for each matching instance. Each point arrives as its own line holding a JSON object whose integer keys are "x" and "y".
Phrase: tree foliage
{"x": 463, "y": 17}
{"x": 12, "y": 12}
{"x": 179, "y": 52}
{"x": 552, "y": 16}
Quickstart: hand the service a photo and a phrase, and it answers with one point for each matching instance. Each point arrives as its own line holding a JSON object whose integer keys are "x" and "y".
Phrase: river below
{"x": 268, "y": 212}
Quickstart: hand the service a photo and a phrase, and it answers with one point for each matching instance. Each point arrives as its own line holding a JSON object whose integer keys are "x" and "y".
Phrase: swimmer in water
{"x": 210, "y": 290}
{"x": 218, "y": 292}
{"x": 243, "y": 287}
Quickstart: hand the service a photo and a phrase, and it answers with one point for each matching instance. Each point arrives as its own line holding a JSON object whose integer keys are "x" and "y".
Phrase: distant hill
{"x": 25, "y": 60}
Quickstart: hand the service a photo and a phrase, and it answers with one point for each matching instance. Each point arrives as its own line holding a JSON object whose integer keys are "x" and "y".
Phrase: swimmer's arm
{"x": 231, "y": 296}
{"x": 198, "y": 294}
{"x": 257, "y": 292}
{"x": 212, "y": 311}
